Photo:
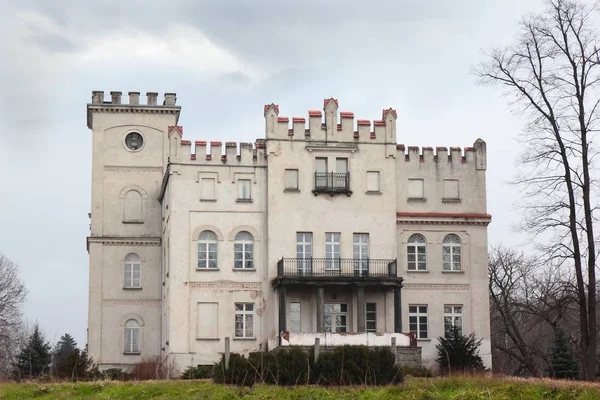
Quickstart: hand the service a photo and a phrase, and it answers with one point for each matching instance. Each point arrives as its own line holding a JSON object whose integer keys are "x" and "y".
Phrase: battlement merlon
{"x": 116, "y": 104}
{"x": 475, "y": 155}
{"x": 229, "y": 153}
{"x": 330, "y": 125}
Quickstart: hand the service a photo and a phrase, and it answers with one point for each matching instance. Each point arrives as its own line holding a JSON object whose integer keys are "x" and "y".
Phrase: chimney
{"x": 170, "y": 99}
{"x": 97, "y": 97}
{"x": 115, "y": 97}
{"x": 152, "y": 97}
{"x": 134, "y": 98}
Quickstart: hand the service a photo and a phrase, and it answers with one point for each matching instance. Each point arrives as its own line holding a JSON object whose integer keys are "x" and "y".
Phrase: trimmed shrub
{"x": 357, "y": 365}
{"x": 458, "y": 353}
{"x": 282, "y": 367}
{"x": 198, "y": 372}
{"x": 238, "y": 372}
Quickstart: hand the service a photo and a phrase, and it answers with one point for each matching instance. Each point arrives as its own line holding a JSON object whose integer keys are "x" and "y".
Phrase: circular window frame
{"x": 125, "y": 141}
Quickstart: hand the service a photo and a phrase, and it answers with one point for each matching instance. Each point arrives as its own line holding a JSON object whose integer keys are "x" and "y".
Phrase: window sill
{"x": 207, "y": 269}
{"x": 132, "y": 288}
{"x": 416, "y": 200}
{"x": 215, "y": 339}
{"x": 291, "y": 190}
{"x": 244, "y": 338}
{"x": 423, "y": 340}
{"x": 243, "y": 201}
{"x": 418, "y": 271}
{"x": 244, "y": 269}
{"x": 453, "y": 272}
{"x": 208, "y": 200}
{"x": 372, "y": 192}
{"x": 132, "y": 354}
{"x": 133, "y": 222}
{"x": 450, "y": 200}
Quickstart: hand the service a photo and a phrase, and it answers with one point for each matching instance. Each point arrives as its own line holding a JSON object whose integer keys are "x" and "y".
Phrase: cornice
{"x": 436, "y": 286}
{"x": 134, "y": 109}
{"x": 435, "y": 218}
{"x": 123, "y": 241}
{"x": 127, "y": 168}
{"x": 131, "y": 302}
{"x": 227, "y": 285}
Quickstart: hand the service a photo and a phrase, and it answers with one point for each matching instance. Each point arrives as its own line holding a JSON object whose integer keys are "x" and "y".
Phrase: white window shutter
{"x": 415, "y": 189}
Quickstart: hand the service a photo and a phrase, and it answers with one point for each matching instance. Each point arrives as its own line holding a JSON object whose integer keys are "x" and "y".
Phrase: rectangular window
{"x": 132, "y": 340}
{"x": 295, "y": 317}
{"x": 207, "y": 187}
{"x": 244, "y": 320}
{"x": 332, "y": 250}
{"x": 321, "y": 164}
{"x": 452, "y": 317}
{"x": 304, "y": 252}
{"x": 341, "y": 165}
{"x": 415, "y": 189}
{"x": 244, "y": 189}
{"x": 373, "y": 181}
{"x": 371, "y": 317}
{"x": 417, "y": 320}
{"x": 360, "y": 253}
{"x": 335, "y": 317}
{"x": 451, "y": 189}
{"x": 132, "y": 275}
{"x": 207, "y": 320}
{"x": 291, "y": 179}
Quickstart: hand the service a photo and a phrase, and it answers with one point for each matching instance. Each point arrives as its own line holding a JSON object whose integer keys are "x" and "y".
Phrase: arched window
{"x": 243, "y": 249}
{"x": 132, "y": 271}
{"x": 132, "y": 337}
{"x": 132, "y": 206}
{"x": 451, "y": 258}
{"x": 207, "y": 250}
{"x": 416, "y": 253}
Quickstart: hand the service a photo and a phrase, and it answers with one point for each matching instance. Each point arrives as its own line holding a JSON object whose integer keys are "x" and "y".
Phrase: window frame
{"x": 418, "y": 313}
{"x": 132, "y": 260}
{"x": 245, "y": 243}
{"x": 332, "y": 314}
{"x": 203, "y": 185}
{"x": 207, "y": 250}
{"x": 247, "y": 315}
{"x": 297, "y": 179}
{"x": 373, "y": 314}
{"x": 130, "y": 332}
{"x": 240, "y": 188}
{"x": 454, "y": 249}
{"x": 419, "y": 248}
{"x": 414, "y": 180}
{"x": 453, "y": 315}
{"x": 333, "y": 240}
{"x": 126, "y": 144}
{"x": 378, "y": 181}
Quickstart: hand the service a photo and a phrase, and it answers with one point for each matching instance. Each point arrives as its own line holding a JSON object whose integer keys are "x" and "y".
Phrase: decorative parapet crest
{"x": 436, "y": 286}
{"x": 131, "y": 302}
{"x": 227, "y": 285}
{"x": 436, "y": 218}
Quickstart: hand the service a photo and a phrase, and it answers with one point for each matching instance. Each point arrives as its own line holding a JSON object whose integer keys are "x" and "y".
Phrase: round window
{"x": 134, "y": 141}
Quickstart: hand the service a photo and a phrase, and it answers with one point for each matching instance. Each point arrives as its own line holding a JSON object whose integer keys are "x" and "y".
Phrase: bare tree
{"x": 552, "y": 76}
{"x": 12, "y": 296}
{"x": 528, "y": 301}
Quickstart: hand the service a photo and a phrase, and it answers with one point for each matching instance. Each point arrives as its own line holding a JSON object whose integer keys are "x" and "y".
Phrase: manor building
{"x": 325, "y": 228}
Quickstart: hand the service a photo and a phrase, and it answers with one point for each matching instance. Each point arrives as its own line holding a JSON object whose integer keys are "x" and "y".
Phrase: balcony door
{"x": 321, "y": 172}
{"x": 340, "y": 178}
{"x": 335, "y": 317}
{"x": 332, "y": 251}
{"x": 361, "y": 253}
{"x": 304, "y": 252}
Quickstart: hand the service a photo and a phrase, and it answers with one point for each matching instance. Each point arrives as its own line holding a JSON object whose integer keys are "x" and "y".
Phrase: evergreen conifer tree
{"x": 64, "y": 357}
{"x": 34, "y": 358}
{"x": 563, "y": 364}
{"x": 457, "y": 352}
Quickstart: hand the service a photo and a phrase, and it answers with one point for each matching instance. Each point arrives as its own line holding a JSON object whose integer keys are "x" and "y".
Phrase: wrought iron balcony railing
{"x": 346, "y": 267}
{"x": 332, "y": 182}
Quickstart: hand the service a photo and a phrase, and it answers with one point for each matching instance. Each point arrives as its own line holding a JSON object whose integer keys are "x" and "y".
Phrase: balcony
{"x": 336, "y": 271}
{"x": 332, "y": 183}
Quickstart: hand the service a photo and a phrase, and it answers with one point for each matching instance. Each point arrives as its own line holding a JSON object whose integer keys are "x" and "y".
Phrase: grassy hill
{"x": 414, "y": 388}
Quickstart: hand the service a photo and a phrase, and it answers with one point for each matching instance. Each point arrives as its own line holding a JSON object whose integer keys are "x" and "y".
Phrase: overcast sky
{"x": 225, "y": 60}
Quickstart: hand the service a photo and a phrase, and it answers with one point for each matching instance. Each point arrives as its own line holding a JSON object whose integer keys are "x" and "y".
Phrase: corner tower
{"x": 129, "y": 157}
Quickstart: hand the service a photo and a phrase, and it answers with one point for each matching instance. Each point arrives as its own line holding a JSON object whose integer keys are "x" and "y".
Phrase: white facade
{"x": 325, "y": 225}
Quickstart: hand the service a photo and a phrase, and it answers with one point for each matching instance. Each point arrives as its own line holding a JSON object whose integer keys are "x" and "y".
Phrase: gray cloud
{"x": 412, "y": 55}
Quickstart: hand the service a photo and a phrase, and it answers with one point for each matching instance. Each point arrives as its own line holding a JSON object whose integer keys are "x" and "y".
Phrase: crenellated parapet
{"x": 214, "y": 151}
{"x": 475, "y": 155}
{"x": 330, "y": 125}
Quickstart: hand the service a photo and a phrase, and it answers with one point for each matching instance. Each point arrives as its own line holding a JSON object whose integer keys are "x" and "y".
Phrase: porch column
{"x": 397, "y": 310}
{"x": 360, "y": 312}
{"x": 282, "y": 308}
{"x": 320, "y": 308}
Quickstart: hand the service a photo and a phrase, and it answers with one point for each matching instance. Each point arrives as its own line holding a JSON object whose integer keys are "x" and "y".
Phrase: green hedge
{"x": 346, "y": 365}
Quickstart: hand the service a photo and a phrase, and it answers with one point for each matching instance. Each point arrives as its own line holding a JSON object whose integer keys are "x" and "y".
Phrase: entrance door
{"x": 304, "y": 252}
{"x": 335, "y": 317}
